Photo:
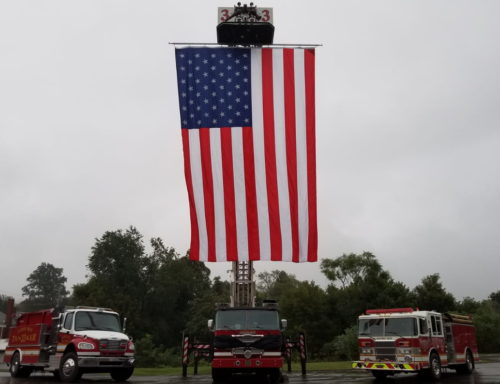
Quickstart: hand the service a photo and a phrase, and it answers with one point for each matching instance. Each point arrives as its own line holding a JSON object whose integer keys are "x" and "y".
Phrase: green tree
{"x": 203, "y": 308}
{"x": 304, "y": 305}
{"x": 119, "y": 275}
{"x": 487, "y": 322}
{"x": 157, "y": 291}
{"x": 178, "y": 286}
{"x": 344, "y": 346}
{"x": 352, "y": 269}
{"x": 468, "y": 305}
{"x": 431, "y": 295}
{"x": 275, "y": 285}
{"x": 46, "y": 288}
{"x": 3, "y": 303}
{"x": 495, "y": 299}
{"x": 358, "y": 283}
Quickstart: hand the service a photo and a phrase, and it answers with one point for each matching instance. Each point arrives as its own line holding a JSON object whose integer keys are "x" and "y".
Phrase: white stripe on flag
{"x": 281, "y": 160}
{"x": 197, "y": 178}
{"x": 259, "y": 155}
{"x": 218, "y": 182}
{"x": 239, "y": 193}
{"x": 300, "y": 116}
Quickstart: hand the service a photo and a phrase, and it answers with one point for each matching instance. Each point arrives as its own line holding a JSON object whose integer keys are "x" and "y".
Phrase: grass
{"x": 204, "y": 369}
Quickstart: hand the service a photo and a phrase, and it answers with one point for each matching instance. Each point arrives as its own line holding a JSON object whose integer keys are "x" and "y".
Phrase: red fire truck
{"x": 247, "y": 339}
{"x": 405, "y": 340}
{"x": 77, "y": 341}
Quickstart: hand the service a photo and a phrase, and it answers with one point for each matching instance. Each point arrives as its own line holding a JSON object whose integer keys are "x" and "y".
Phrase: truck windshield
{"x": 247, "y": 320}
{"x": 97, "y": 321}
{"x": 403, "y": 326}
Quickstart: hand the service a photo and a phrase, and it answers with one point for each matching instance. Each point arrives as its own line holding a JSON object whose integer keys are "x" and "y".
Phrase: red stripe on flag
{"x": 208, "y": 190}
{"x": 229, "y": 201}
{"x": 251, "y": 195}
{"x": 194, "y": 251}
{"x": 312, "y": 254}
{"x": 291, "y": 147}
{"x": 270, "y": 154}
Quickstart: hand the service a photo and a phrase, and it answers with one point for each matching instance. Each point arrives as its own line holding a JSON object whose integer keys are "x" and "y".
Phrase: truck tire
{"x": 16, "y": 369}
{"x": 221, "y": 375}
{"x": 121, "y": 374}
{"x": 68, "y": 369}
{"x": 435, "y": 367}
{"x": 274, "y": 375}
{"x": 379, "y": 375}
{"x": 468, "y": 367}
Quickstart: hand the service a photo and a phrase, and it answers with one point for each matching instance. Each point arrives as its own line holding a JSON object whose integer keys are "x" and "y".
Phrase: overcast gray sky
{"x": 408, "y": 114}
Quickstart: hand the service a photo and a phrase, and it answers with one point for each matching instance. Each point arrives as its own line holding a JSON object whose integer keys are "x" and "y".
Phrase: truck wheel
{"x": 468, "y": 367}
{"x": 122, "y": 374}
{"x": 16, "y": 369}
{"x": 221, "y": 375}
{"x": 68, "y": 368}
{"x": 274, "y": 375}
{"x": 15, "y": 365}
{"x": 435, "y": 367}
{"x": 379, "y": 375}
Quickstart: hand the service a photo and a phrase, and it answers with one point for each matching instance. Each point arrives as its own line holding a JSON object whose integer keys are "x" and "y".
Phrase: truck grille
{"x": 113, "y": 345}
{"x": 385, "y": 350}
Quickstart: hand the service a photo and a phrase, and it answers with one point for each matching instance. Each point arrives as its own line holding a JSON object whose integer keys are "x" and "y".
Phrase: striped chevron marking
{"x": 388, "y": 366}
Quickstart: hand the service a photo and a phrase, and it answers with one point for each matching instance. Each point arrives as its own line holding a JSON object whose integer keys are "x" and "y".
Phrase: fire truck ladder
{"x": 243, "y": 284}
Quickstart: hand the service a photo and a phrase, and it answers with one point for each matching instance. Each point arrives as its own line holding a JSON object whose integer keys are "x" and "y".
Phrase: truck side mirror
{"x": 210, "y": 324}
{"x": 124, "y": 328}
{"x": 60, "y": 322}
{"x": 284, "y": 323}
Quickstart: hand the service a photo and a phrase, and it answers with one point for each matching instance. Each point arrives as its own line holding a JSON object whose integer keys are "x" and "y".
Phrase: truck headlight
{"x": 131, "y": 346}
{"x": 86, "y": 346}
{"x": 366, "y": 351}
{"x": 407, "y": 351}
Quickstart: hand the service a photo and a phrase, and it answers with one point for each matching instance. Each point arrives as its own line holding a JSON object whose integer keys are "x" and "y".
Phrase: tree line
{"x": 163, "y": 294}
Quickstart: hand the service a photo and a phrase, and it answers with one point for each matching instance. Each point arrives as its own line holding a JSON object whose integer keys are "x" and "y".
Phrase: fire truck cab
{"x": 69, "y": 344}
{"x": 403, "y": 340}
{"x": 247, "y": 340}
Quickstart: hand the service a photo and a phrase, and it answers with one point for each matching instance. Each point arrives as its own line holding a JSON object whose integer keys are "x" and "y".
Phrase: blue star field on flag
{"x": 214, "y": 87}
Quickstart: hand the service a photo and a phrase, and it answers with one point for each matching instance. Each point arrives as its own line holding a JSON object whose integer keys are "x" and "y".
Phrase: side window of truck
{"x": 424, "y": 330}
{"x": 68, "y": 321}
{"x": 439, "y": 325}
{"x": 436, "y": 326}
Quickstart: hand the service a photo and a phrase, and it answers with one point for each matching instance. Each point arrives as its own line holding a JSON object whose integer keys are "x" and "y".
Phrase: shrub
{"x": 343, "y": 347}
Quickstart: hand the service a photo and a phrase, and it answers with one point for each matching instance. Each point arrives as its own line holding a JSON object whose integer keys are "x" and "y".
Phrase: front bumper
{"x": 252, "y": 363}
{"x": 105, "y": 362}
{"x": 386, "y": 366}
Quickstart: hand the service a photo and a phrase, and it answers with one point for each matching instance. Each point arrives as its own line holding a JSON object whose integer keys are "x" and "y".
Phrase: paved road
{"x": 486, "y": 373}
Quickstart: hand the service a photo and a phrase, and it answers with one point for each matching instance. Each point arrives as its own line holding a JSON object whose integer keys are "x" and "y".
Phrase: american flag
{"x": 248, "y": 133}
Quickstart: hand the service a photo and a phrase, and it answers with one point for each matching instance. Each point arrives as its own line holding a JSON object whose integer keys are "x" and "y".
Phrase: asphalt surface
{"x": 485, "y": 373}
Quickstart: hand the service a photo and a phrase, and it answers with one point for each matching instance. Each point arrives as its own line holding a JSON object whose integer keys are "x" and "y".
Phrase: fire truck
{"x": 403, "y": 340}
{"x": 69, "y": 344}
{"x": 247, "y": 340}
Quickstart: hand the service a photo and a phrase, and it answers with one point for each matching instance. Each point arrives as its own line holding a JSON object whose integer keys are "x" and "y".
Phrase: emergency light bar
{"x": 392, "y": 310}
